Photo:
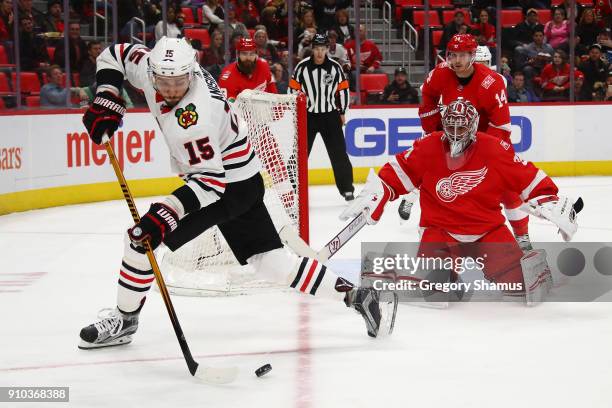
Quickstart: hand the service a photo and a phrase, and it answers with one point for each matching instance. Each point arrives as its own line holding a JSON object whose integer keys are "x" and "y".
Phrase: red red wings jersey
{"x": 462, "y": 195}
{"x": 486, "y": 91}
{"x": 232, "y": 81}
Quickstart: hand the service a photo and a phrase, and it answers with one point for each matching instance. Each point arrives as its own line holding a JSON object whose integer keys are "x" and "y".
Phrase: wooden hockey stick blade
{"x": 342, "y": 238}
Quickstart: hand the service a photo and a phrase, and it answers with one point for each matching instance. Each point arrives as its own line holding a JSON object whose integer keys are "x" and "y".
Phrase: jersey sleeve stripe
{"x": 239, "y": 164}
{"x": 401, "y": 174}
{"x": 207, "y": 188}
{"x": 239, "y": 153}
{"x": 235, "y": 144}
{"x": 540, "y": 175}
{"x": 212, "y": 181}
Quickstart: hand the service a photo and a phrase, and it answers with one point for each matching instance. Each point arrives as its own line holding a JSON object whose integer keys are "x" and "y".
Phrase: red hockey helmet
{"x": 462, "y": 43}
{"x": 246, "y": 44}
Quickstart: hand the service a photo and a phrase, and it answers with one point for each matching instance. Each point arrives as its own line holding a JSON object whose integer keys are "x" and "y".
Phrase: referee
{"x": 327, "y": 90}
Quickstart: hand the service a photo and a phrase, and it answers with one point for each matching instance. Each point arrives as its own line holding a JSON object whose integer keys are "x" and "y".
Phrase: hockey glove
{"x": 104, "y": 116}
{"x": 154, "y": 225}
{"x": 372, "y": 199}
{"x": 559, "y": 210}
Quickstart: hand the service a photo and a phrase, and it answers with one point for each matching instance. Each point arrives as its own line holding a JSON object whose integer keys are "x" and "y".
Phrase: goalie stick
{"x": 214, "y": 375}
{"x": 293, "y": 240}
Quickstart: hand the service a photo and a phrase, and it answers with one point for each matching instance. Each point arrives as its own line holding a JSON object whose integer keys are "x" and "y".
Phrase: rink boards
{"x": 46, "y": 158}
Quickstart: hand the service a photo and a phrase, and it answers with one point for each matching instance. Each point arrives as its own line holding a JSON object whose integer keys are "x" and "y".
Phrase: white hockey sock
{"x": 303, "y": 274}
{"x": 135, "y": 278}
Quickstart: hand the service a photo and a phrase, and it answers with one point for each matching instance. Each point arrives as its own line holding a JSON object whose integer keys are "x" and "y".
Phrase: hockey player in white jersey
{"x": 222, "y": 187}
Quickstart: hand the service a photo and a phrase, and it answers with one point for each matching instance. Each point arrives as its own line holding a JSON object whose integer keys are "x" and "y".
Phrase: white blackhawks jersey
{"x": 201, "y": 131}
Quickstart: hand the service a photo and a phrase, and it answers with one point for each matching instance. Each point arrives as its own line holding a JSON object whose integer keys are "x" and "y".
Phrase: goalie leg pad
{"x": 537, "y": 276}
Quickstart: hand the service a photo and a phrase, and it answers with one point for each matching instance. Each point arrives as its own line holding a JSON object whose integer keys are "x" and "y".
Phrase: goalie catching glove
{"x": 372, "y": 199}
{"x": 154, "y": 225}
{"x": 559, "y": 210}
{"x": 104, "y": 115}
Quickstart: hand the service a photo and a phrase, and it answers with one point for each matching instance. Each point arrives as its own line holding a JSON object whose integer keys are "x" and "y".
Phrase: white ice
{"x": 59, "y": 267}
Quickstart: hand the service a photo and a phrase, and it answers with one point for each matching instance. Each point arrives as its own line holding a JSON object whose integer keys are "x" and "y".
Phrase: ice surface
{"x": 59, "y": 267}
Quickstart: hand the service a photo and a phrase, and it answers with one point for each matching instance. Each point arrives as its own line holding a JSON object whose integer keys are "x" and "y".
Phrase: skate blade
{"x": 388, "y": 312}
{"x": 85, "y": 345}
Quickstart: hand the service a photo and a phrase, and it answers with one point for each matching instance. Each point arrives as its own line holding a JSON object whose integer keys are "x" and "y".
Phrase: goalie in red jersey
{"x": 248, "y": 72}
{"x": 463, "y": 175}
{"x": 458, "y": 77}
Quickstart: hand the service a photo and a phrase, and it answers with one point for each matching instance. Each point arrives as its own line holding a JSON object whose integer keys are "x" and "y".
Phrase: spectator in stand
{"x": 174, "y": 28}
{"x": 6, "y": 20}
{"x": 581, "y": 93}
{"x": 578, "y": 8}
{"x": 247, "y": 13}
{"x": 213, "y": 57}
{"x": 555, "y": 78}
{"x": 53, "y": 94}
{"x": 148, "y": 12}
{"x": 603, "y": 13}
{"x": 78, "y": 49}
{"x": 587, "y": 28}
{"x": 234, "y": 23}
{"x": 523, "y": 32}
{"x": 517, "y": 92}
{"x": 32, "y": 48}
{"x": 400, "y": 91}
{"x": 307, "y": 20}
{"x": 532, "y": 58}
{"x": 325, "y": 13}
{"x": 557, "y": 30}
{"x": 608, "y": 96}
{"x": 305, "y": 46}
{"x": 87, "y": 75}
{"x": 337, "y": 52}
{"x": 213, "y": 15}
{"x": 369, "y": 53}
{"x": 281, "y": 77}
{"x": 275, "y": 28}
{"x": 265, "y": 50}
{"x": 345, "y": 31}
{"x": 604, "y": 40}
{"x": 53, "y": 21}
{"x": 452, "y": 28}
{"x": 88, "y": 93}
{"x": 595, "y": 68}
{"x": 26, "y": 8}
{"x": 506, "y": 72}
{"x": 486, "y": 29}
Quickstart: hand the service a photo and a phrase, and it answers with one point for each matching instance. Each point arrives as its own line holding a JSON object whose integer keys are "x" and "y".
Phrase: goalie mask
{"x": 172, "y": 64}
{"x": 460, "y": 122}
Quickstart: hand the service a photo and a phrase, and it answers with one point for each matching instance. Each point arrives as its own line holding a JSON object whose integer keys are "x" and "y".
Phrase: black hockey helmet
{"x": 320, "y": 39}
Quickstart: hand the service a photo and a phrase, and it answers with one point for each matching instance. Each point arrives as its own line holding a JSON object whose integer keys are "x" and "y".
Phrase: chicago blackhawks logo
{"x": 187, "y": 117}
{"x": 459, "y": 183}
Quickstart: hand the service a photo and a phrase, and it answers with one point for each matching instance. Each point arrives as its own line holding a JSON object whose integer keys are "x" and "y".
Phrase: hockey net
{"x": 276, "y": 128}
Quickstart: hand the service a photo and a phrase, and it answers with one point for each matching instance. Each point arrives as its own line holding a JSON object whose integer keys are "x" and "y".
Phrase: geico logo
{"x": 134, "y": 147}
{"x": 376, "y": 137}
{"x": 10, "y": 158}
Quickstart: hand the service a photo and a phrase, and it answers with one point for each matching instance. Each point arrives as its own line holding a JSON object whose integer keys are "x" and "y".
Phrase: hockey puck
{"x": 263, "y": 370}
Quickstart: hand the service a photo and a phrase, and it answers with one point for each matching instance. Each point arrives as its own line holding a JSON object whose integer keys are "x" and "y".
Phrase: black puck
{"x": 263, "y": 370}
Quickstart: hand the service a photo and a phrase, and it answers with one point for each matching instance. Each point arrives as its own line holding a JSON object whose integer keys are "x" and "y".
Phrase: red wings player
{"x": 486, "y": 90}
{"x": 462, "y": 175}
{"x": 248, "y": 72}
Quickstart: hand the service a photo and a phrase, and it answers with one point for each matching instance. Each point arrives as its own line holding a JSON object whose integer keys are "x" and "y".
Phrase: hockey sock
{"x": 135, "y": 278}
{"x": 519, "y": 220}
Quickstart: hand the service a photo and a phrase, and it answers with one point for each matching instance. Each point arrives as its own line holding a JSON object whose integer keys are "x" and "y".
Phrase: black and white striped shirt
{"x": 325, "y": 85}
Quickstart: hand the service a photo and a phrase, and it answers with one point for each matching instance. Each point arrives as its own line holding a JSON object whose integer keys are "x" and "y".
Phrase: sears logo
{"x": 377, "y": 137}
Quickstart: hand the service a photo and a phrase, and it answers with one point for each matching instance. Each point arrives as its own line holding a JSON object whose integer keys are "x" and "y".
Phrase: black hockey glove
{"x": 104, "y": 116}
{"x": 154, "y": 225}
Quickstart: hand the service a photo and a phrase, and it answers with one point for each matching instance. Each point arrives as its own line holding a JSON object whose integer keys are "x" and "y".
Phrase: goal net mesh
{"x": 206, "y": 265}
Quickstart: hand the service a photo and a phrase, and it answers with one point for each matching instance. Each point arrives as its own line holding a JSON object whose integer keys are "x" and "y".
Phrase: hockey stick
{"x": 213, "y": 375}
{"x": 297, "y": 244}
